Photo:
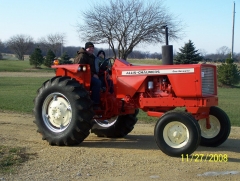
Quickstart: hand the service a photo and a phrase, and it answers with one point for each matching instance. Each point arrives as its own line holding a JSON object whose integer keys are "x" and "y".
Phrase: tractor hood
{"x": 186, "y": 80}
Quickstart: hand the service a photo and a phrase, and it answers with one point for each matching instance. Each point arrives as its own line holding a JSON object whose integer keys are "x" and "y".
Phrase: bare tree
{"x": 237, "y": 57}
{"x": 223, "y": 52}
{"x": 20, "y": 44}
{"x": 53, "y": 42}
{"x": 125, "y": 24}
{"x": 202, "y": 52}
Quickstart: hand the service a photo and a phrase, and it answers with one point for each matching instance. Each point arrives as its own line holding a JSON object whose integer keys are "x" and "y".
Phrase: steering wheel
{"x": 106, "y": 65}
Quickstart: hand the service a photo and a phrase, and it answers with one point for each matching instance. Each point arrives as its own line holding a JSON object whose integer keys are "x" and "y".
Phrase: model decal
{"x": 158, "y": 72}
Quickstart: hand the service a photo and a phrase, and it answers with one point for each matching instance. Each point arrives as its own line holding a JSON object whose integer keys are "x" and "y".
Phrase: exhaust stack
{"x": 167, "y": 50}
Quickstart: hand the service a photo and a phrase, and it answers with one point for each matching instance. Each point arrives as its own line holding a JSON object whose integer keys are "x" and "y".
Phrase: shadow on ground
{"x": 147, "y": 142}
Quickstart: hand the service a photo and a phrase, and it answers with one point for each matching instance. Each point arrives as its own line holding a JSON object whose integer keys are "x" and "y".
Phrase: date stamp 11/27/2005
{"x": 205, "y": 157}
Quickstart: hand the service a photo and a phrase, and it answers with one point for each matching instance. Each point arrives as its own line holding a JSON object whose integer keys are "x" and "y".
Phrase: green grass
{"x": 17, "y": 93}
{"x": 145, "y": 61}
{"x": 229, "y": 102}
{"x": 10, "y": 157}
{"x": 20, "y": 66}
{"x": 24, "y": 66}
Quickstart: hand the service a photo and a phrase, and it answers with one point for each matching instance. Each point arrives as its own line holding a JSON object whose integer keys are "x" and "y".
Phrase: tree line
{"x": 21, "y": 45}
{"x": 122, "y": 25}
{"x": 228, "y": 71}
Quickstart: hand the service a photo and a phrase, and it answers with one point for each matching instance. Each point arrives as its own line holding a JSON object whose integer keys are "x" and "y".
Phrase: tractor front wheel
{"x": 219, "y": 130}
{"x": 116, "y": 127}
{"x": 177, "y": 133}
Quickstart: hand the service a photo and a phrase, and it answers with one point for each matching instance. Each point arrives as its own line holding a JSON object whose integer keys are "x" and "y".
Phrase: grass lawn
{"x": 145, "y": 61}
{"x": 229, "y": 101}
{"x": 24, "y": 66}
{"x": 17, "y": 93}
{"x": 20, "y": 66}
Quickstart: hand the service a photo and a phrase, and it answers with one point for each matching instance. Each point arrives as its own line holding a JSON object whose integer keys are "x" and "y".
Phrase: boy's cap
{"x": 89, "y": 44}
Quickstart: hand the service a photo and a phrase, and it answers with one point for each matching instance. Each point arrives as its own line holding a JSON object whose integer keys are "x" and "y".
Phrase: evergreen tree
{"x": 48, "y": 61}
{"x": 188, "y": 55}
{"x": 228, "y": 73}
{"x": 65, "y": 59}
{"x": 36, "y": 58}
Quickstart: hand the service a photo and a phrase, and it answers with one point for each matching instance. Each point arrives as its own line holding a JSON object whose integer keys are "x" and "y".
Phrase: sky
{"x": 208, "y": 23}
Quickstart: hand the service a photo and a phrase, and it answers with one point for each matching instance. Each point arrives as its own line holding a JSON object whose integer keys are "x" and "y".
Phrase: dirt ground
{"x": 135, "y": 157}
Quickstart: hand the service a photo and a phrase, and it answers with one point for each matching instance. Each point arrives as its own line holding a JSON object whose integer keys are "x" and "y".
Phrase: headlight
{"x": 82, "y": 68}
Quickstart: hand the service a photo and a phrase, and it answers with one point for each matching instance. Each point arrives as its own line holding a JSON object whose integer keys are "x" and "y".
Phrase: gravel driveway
{"x": 135, "y": 157}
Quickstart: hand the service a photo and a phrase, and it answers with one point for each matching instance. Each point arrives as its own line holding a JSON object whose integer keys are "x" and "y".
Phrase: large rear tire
{"x": 63, "y": 111}
{"x": 220, "y": 128}
{"x": 177, "y": 133}
{"x": 116, "y": 127}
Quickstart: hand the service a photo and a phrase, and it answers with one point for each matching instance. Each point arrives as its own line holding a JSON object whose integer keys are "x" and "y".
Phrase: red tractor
{"x": 64, "y": 115}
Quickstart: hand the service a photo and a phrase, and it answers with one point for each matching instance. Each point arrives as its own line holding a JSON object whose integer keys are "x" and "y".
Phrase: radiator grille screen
{"x": 207, "y": 81}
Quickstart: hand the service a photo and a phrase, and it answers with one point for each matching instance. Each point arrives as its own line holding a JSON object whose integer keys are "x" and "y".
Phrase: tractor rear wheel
{"x": 219, "y": 130}
{"x": 116, "y": 127}
{"x": 177, "y": 133}
{"x": 63, "y": 111}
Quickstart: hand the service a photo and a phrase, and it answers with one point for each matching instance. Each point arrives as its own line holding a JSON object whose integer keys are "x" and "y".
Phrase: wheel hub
{"x": 214, "y": 129}
{"x": 57, "y": 112}
{"x": 175, "y": 134}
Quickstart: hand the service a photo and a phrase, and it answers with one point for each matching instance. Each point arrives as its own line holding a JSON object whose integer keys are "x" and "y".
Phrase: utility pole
{"x": 233, "y": 29}
{"x": 61, "y": 47}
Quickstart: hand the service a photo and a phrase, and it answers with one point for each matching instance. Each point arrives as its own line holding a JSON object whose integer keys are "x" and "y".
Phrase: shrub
{"x": 36, "y": 58}
{"x": 49, "y": 58}
{"x": 228, "y": 73}
{"x": 65, "y": 59}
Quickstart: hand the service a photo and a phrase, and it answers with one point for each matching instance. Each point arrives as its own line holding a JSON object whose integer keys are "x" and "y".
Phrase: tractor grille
{"x": 207, "y": 81}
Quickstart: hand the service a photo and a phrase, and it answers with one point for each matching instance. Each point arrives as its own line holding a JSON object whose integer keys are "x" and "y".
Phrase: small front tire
{"x": 220, "y": 128}
{"x": 177, "y": 133}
